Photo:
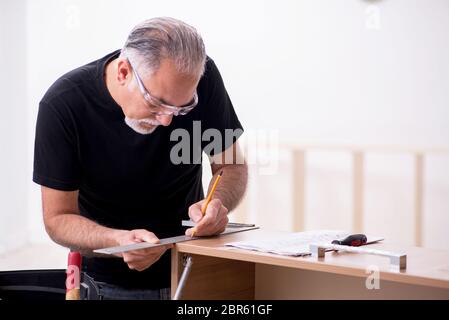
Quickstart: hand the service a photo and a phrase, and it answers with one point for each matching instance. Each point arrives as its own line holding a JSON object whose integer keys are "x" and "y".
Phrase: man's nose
{"x": 165, "y": 120}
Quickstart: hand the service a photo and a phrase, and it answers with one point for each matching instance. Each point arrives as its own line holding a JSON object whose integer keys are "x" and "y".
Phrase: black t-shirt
{"x": 125, "y": 180}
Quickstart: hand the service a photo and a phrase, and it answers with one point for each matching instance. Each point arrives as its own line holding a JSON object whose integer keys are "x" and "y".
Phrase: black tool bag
{"x": 43, "y": 285}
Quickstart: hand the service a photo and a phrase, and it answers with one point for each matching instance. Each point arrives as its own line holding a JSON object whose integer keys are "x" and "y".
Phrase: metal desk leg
{"x": 182, "y": 281}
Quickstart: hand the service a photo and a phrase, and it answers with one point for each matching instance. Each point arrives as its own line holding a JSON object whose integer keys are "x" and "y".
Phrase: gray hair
{"x": 156, "y": 39}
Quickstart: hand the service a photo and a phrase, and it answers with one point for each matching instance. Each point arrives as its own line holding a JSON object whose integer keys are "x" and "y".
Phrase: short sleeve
{"x": 56, "y": 161}
{"x": 220, "y": 125}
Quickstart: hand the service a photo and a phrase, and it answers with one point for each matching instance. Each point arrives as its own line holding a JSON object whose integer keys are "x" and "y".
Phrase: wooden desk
{"x": 220, "y": 272}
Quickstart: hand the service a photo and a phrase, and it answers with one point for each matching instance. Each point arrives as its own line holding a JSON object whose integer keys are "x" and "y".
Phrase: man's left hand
{"x": 212, "y": 223}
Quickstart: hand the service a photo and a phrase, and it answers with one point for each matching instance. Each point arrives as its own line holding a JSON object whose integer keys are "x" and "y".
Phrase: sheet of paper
{"x": 295, "y": 244}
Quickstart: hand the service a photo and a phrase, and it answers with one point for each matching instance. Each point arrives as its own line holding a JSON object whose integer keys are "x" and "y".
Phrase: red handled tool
{"x": 73, "y": 276}
{"x": 353, "y": 240}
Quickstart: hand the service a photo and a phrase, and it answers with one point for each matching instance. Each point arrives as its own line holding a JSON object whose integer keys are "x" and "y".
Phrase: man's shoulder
{"x": 66, "y": 84}
{"x": 76, "y": 83}
{"x": 210, "y": 75}
{"x": 210, "y": 67}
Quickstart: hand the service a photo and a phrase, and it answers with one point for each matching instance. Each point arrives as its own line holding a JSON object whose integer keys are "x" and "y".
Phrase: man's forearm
{"x": 79, "y": 233}
{"x": 232, "y": 185}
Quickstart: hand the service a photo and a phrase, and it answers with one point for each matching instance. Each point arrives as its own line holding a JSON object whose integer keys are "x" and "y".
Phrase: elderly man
{"x": 103, "y": 155}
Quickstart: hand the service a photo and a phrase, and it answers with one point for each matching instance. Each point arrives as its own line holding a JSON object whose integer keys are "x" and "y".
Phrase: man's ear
{"x": 123, "y": 71}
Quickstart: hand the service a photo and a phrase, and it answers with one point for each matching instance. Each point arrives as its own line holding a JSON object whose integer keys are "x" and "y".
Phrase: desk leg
{"x": 214, "y": 278}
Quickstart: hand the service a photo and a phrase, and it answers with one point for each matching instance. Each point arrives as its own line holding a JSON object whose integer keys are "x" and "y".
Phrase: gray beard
{"x": 135, "y": 125}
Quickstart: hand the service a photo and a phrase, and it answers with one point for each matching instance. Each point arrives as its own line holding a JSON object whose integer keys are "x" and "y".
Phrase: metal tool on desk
{"x": 144, "y": 245}
{"x": 353, "y": 243}
{"x": 177, "y": 239}
{"x": 353, "y": 240}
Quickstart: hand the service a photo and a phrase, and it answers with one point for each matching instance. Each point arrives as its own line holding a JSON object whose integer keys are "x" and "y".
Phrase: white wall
{"x": 327, "y": 71}
{"x": 13, "y": 128}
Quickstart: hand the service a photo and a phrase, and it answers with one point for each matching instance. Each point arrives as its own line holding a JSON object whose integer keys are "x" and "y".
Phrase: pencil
{"x": 209, "y": 198}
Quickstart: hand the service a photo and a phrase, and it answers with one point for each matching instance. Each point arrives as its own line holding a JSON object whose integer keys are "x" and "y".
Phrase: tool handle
{"x": 73, "y": 276}
{"x": 353, "y": 240}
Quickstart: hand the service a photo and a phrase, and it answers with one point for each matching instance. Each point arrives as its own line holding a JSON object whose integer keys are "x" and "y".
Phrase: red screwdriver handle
{"x": 353, "y": 240}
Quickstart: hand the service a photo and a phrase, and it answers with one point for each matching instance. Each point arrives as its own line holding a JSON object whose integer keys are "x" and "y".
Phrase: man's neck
{"x": 109, "y": 72}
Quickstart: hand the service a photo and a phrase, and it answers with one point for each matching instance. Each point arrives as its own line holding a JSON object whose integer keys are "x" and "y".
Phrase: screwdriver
{"x": 353, "y": 240}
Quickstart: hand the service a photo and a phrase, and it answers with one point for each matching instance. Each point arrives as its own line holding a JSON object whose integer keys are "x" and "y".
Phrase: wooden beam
{"x": 419, "y": 188}
{"x": 358, "y": 190}
{"x": 298, "y": 219}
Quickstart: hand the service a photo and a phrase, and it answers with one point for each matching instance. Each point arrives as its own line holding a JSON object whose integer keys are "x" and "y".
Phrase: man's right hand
{"x": 140, "y": 259}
